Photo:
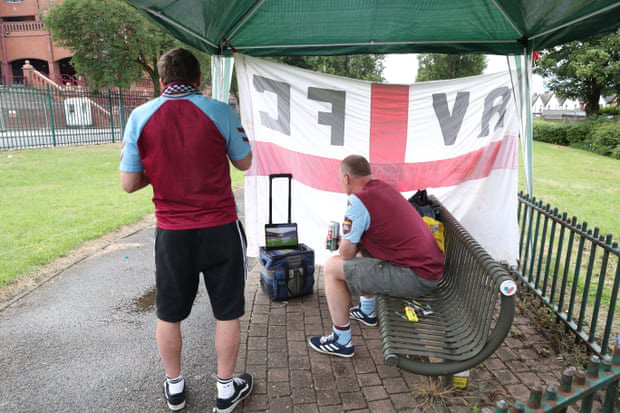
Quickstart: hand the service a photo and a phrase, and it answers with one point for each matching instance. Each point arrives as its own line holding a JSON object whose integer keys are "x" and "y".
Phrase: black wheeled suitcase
{"x": 287, "y": 267}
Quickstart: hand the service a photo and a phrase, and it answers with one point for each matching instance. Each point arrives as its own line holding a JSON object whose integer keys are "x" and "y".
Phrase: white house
{"x": 569, "y": 104}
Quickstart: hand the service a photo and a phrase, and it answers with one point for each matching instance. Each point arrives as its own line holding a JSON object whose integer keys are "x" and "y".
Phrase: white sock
{"x": 175, "y": 385}
{"x": 225, "y": 388}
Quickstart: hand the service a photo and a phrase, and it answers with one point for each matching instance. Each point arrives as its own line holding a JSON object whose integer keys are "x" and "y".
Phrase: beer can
{"x": 333, "y": 231}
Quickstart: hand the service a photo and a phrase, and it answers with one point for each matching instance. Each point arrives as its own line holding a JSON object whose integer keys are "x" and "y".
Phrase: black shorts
{"x": 181, "y": 255}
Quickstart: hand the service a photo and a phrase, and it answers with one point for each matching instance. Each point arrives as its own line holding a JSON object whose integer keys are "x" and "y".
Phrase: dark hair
{"x": 178, "y": 65}
{"x": 356, "y": 166}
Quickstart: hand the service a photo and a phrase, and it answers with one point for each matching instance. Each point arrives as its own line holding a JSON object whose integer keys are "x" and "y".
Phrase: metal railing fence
{"x": 43, "y": 117}
{"x": 574, "y": 269}
{"x": 576, "y": 386}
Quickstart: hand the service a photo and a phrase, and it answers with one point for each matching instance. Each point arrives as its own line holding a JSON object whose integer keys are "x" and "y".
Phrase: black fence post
{"x": 111, "y": 114}
{"x": 51, "y": 109}
{"x": 121, "y": 112}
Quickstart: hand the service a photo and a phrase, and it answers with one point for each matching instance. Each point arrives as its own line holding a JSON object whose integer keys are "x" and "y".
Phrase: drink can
{"x": 459, "y": 380}
{"x": 333, "y": 231}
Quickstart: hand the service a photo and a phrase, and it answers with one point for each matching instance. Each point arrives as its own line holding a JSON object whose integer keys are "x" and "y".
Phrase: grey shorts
{"x": 365, "y": 275}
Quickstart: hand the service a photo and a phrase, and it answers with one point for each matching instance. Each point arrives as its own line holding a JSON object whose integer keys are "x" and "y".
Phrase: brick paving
{"x": 291, "y": 377}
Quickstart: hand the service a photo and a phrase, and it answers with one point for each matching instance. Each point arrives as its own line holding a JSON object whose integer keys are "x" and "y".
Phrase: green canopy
{"x": 337, "y": 27}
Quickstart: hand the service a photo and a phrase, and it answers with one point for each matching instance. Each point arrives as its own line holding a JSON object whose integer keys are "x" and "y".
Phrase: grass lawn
{"x": 55, "y": 199}
{"x": 52, "y": 200}
{"x": 578, "y": 182}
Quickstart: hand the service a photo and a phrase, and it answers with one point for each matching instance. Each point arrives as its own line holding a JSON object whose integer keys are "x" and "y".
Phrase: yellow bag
{"x": 436, "y": 228}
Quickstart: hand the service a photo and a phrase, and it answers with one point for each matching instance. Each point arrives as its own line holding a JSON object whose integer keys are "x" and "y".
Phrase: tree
{"x": 583, "y": 70}
{"x": 437, "y": 66}
{"x": 113, "y": 45}
{"x": 364, "y": 67}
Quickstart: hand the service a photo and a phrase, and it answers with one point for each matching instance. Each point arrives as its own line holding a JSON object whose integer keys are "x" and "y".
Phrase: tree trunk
{"x": 153, "y": 74}
{"x": 592, "y": 98}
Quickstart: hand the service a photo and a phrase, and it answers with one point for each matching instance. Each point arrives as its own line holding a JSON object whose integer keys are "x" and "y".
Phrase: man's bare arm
{"x": 243, "y": 164}
{"x": 347, "y": 249}
{"x": 132, "y": 181}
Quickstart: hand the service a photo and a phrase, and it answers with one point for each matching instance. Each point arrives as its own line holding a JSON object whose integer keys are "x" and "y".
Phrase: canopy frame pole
{"x": 508, "y": 19}
{"x": 521, "y": 66}
{"x": 221, "y": 76}
{"x": 244, "y": 19}
{"x": 587, "y": 16}
{"x": 528, "y": 112}
{"x": 180, "y": 27}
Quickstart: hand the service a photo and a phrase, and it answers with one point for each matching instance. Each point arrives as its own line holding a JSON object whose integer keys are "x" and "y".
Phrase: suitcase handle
{"x": 271, "y": 178}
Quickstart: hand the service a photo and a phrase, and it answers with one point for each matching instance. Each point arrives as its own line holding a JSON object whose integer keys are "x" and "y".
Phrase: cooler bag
{"x": 286, "y": 266}
{"x": 287, "y": 273}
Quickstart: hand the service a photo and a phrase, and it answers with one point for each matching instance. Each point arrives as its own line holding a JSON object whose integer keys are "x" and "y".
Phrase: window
{"x": 13, "y": 1}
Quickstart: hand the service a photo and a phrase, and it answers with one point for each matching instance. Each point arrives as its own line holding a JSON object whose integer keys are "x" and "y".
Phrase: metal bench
{"x": 467, "y": 324}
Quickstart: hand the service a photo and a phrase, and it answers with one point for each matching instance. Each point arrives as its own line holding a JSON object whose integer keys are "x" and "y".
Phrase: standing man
{"x": 181, "y": 144}
{"x": 406, "y": 260}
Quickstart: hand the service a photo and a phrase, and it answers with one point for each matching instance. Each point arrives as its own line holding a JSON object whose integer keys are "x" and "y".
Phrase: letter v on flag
{"x": 457, "y": 138}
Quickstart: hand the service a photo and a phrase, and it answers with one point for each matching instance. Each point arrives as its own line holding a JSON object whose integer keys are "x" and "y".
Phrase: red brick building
{"x": 25, "y": 38}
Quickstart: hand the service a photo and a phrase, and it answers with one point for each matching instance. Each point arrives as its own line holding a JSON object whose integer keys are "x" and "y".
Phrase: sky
{"x": 402, "y": 69}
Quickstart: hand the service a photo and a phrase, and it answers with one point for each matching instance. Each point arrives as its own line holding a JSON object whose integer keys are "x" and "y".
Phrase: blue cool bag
{"x": 287, "y": 273}
{"x": 286, "y": 266}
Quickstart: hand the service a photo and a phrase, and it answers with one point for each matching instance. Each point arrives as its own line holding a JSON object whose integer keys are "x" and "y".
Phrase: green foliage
{"x": 579, "y": 132}
{"x": 609, "y": 110}
{"x": 598, "y": 135}
{"x": 437, "y": 66}
{"x": 113, "y": 44}
{"x": 550, "y": 132}
{"x": 583, "y": 69}
{"x": 606, "y": 140}
{"x": 364, "y": 67}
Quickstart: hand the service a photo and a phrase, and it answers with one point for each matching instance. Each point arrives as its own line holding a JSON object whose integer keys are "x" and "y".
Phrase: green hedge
{"x": 606, "y": 140}
{"x": 550, "y": 132}
{"x": 599, "y": 135}
{"x": 609, "y": 110}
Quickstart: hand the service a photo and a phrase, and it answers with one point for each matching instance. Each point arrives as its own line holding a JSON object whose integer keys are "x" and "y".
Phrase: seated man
{"x": 406, "y": 260}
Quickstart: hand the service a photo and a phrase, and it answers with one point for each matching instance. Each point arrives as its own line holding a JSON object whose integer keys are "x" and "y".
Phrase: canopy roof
{"x": 328, "y": 27}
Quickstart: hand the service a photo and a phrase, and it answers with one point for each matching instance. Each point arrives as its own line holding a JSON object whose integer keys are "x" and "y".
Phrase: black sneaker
{"x": 175, "y": 401}
{"x": 243, "y": 387}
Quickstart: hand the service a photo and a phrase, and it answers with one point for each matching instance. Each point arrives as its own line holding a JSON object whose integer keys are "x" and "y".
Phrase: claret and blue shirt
{"x": 390, "y": 229}
{"x": 192, "y": 136}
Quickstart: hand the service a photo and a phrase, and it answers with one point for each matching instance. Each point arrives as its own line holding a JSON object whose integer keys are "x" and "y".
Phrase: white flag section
{"x": 456, "y": 138}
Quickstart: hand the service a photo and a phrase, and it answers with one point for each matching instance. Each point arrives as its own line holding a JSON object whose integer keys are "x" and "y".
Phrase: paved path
{"x": 84, "y": 342}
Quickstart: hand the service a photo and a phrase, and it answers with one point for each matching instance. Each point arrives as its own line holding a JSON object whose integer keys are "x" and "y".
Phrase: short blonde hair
{"x": 355, "y": 166}
{"x": 178, "y": 65}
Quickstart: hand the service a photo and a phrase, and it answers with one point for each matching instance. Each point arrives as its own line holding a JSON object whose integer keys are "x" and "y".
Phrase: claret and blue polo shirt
{"x": 183, "y": 142}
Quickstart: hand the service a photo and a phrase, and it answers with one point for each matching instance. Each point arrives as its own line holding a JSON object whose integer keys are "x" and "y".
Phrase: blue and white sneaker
{"x": 329, "y": 345}
{"x": 356, "y": 313}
